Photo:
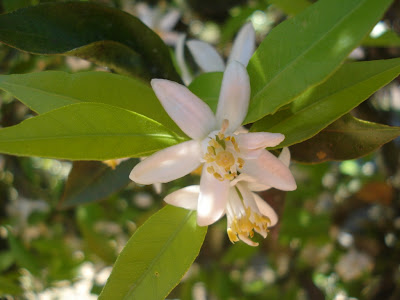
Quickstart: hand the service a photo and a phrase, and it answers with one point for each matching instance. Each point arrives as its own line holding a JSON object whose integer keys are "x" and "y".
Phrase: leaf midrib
{"x": 293, "y": 62}
{"x": 335, "y": 92}
{"x": 156, "y": 258}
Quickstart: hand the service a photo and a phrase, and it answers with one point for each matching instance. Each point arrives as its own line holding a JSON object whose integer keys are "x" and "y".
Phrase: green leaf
{"x": 87, "y": 131}
{"x": 91, "y": 181}
{"x": 347, "y": 138}
{"x": 320, "y": 106}
{"x": 291, "y": 7}
{"x": 304, "y": 50}
{"x": 64, "y": 28}
{"x": 207, "y": 87}
{"x": 45, "y": 91}
{"x": 387, "y": 39}
{"x": 156, "y": 257}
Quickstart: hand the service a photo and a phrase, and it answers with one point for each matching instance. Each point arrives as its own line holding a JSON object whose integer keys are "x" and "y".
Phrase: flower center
{"x": 222, "y": 155}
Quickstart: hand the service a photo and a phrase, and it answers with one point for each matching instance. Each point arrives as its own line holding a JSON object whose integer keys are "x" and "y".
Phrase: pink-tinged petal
{"x": 168, "y": 164}
{"x": 284, "y": 156}
{"x": 186, "y": 198}
{"x": 270, "y": 171}
{"x": 212, "y": 200}
{"x": 234, "y": 96}
{"x": 259, "y": 140}
{"x": 205, "y": 56}
{"x": 180, "y": 59}
{"x": 169, "y": 20}
{"x": 244, "y": 45}
{"x": 190, "y": 113}
{"x": 266, "y": 210}
{"x": 257, "y": 187}
{"x": 250, "y": 182}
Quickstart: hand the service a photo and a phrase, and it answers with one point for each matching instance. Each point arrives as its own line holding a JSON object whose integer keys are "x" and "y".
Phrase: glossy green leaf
{"x": 87, "y": 131}
{"x": 387, "y": 39}
{"x": 291, "y": 7}
{"x": 347, "y": 138}
{"x": 304, "y": 50}
{"x": 320, "y": 106}
{"x": 156, "y": 257}
{"x": 207, "y": 87}
{"x": 45, "y": 91}
{"x": 58, "y": 28}
{"x": 91, "y": 181}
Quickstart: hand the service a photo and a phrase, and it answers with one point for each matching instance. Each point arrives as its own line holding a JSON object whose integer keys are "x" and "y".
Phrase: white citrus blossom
{"x": 246, "y": 211}
{"x": 225, "y": 153}
{"x": 208, "y": 58}
{"x": 162, "y": 21}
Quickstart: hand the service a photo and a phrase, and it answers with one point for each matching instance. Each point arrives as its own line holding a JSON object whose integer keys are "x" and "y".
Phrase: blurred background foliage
{"x": 62, "y": 225}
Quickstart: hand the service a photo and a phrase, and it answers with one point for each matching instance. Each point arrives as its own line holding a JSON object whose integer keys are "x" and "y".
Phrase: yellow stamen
{"x": 225, "y": 159}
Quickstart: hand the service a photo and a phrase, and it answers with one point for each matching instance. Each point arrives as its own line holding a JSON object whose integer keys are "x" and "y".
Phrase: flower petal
{"x": 270, "y": 171}
{"x": 168, "y": 164}
{"x": 186, "y": 198}
{"x": 259, "y": 140}
{"x": 234, "y": 96}
{"x": 190, "y": 113}
{"x": 205, "y": 56}
{"x": 284, "y": 156}
{"x": 248, "y": 198}
{"x": 180, "y": 59}
{"x": 169, "y": 20}
{"x": 266, "y": 210}
{"x": 213, "y": 198}
{"x": 244, "y": 45}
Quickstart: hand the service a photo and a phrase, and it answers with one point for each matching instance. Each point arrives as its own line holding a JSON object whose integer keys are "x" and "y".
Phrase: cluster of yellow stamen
{"x": 245, "y": 226}
{"x": 222, "y": 156}
{"x": 244, "y": 218}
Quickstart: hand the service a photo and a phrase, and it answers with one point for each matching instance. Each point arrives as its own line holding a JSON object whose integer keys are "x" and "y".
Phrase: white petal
{"x": 234, "y": 96}
{"x": 169, "y": 37}
{"x": 284, "y": 156}
{"x": 247, "y": 240}
{"x": 168, "y": 164}
{"x": 190, "y": 113}
{"x": 157, "y": 187}
{"x": 207, "y": 58}
{"x": 266, "y": 210}
{"x": 147, "y": 15}
{"x": 186, "y": 198}
{"x": 251, "y": 183}
{"x": 169, "y": 20}
{"x": 244, "y": 45}
{"x": 269, "y": 170}
{"x": 180, "y": 59}
{"x": 248, "y": 198}
{"x": 212, "y": 200}
{"x": 257, "y": 187}
{"x": 259, "y": 140}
